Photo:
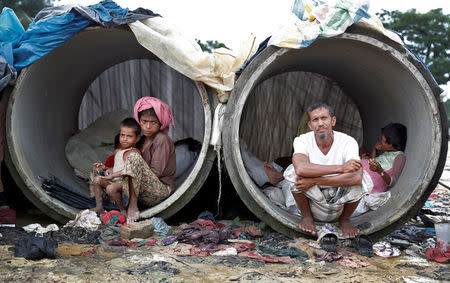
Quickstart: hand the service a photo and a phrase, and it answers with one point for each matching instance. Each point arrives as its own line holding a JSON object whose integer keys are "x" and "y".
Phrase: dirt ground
{"x": 103, "y": 263}
{"x": 156, "y": 264}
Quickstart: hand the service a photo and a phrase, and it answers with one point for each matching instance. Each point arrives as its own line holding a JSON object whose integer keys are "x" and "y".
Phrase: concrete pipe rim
{"x": 31, "y": 186}
{"x": 251, "y": 194}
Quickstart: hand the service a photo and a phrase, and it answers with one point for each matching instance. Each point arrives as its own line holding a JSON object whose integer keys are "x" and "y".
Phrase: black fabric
{"x": 11, "y": 235}
{"x": 36, "y": 248}
{"x": 75, "y": 235}
{"x": 291, "y": 252}
{"x": 59, "y": 190}
{"x": 412, "y": 234}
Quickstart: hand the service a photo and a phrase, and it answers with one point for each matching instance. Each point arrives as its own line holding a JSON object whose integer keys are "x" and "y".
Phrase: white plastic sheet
{"x": 168, "y": 43}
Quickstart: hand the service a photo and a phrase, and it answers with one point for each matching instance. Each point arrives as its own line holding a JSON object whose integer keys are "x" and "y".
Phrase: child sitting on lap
{"x": 111, "y": 182}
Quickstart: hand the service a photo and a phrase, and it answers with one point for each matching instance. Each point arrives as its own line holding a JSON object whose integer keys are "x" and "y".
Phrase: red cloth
{"x": 107, "y": 216}
{"x": 282, "y": 259}
{"x": 205, "y": 224}
{"x": 7, "y": 216}
{"x": 197, "y": 251}
{"x": 110, "y": 161}
{"x": 162, "y": 110}
{"x": 242, "y": 247}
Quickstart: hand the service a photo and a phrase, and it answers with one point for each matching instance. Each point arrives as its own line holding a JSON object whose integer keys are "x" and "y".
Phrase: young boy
{"x": 111, "y": 182}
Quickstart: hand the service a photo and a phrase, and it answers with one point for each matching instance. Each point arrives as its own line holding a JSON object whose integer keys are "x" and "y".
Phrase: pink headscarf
{"x": 162, "y": 111}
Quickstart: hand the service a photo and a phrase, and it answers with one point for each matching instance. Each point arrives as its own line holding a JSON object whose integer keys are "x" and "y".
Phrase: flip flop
{"x": 438, "y": 255}
{"x": 329, "y": 242}
{"x": 384, "y": 249}
{"x": 364, "y": 245}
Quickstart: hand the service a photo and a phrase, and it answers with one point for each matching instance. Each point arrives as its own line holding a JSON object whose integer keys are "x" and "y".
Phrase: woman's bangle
{"x": 382, "y": 173}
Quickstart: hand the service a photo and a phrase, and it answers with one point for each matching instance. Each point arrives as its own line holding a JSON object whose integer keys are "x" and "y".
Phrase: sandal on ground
{"x": 329, "y": 242}
{"x": 364, "y": 245}
{"x": 384, "y": 249}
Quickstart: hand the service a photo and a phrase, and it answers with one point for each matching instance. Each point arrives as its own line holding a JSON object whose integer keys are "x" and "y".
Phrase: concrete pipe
{"x": 386, "y": 83}
{"x": 43, "y": 113}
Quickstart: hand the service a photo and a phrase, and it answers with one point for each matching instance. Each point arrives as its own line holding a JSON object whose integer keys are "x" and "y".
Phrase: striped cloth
{"x": 328, "y": 203}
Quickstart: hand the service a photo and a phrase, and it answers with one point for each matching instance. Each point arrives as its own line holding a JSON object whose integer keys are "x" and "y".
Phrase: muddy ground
{"x": 103, "y": 263}
{"x": 100, "y": 263}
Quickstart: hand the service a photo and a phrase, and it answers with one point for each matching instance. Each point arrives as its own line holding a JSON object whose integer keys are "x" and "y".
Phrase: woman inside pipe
{"x": 149, "y": 178}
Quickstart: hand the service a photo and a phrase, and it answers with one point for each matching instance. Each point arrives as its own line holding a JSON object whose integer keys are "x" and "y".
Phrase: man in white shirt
{"x": 329, "y": 173}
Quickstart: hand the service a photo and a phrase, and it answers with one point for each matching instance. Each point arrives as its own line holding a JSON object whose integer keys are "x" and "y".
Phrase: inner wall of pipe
{"x": 279, "y": 105}
{"x": 49, "y": 93}
{"x": 384, "y": 90}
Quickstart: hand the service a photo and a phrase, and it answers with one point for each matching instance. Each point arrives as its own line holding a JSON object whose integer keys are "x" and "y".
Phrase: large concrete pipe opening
{"x": 44, "y": 112}
{"x": 372, "y": 81}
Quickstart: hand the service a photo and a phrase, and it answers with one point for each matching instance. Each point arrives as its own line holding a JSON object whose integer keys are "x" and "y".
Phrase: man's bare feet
{"x": 97, "y": 209}
{"x": 132, "y": 214}
{"x": 307, "y": 225}
{"x": 272, "y": 173}
{"x": 348, "y": 229}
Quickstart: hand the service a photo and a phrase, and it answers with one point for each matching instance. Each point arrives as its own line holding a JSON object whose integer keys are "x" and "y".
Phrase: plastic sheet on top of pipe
{"x": 182, "y": 53}
{"x": 312, "y": 18}
{"x": 53, "y": 26}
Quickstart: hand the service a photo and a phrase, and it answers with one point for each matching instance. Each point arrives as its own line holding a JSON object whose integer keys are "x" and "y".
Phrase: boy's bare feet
{"x": 307, "y": 225}
{"x": 348, "y": 229}
{"x": 272, "y": 173}
{"x": 132, "y": 213}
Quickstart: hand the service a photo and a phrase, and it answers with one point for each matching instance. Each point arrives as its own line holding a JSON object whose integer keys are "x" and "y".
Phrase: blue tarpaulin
{"x": 52, "y": 27}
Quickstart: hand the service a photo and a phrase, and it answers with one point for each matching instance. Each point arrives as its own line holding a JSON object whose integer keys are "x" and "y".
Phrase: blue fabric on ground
{"x": 160, "y": 226}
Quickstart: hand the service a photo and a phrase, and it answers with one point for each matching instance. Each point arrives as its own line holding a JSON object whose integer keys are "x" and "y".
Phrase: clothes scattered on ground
{"x": 36, "y": 248}
{"x": 231, "y": 239}
{"x": 291, "y": 252}
{"x": 109, "y": 232}
{"x": 113, "y": 217}
{"x": 39, "y": 229}
{"x": 10, "y": 235}
{"x": 407, "y": 235}
{"x": 77, "y": 235}
{"x": 204, "y": 232}
{"x": 161, "y": 227}
{"x": 85, "y": 219}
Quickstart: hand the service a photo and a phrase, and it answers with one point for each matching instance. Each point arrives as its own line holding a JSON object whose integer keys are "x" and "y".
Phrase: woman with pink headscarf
{"x": 150, "y": 178}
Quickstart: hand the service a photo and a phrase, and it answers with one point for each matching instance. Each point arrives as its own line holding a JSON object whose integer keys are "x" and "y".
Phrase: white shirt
{"x": 343, "y": 149}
